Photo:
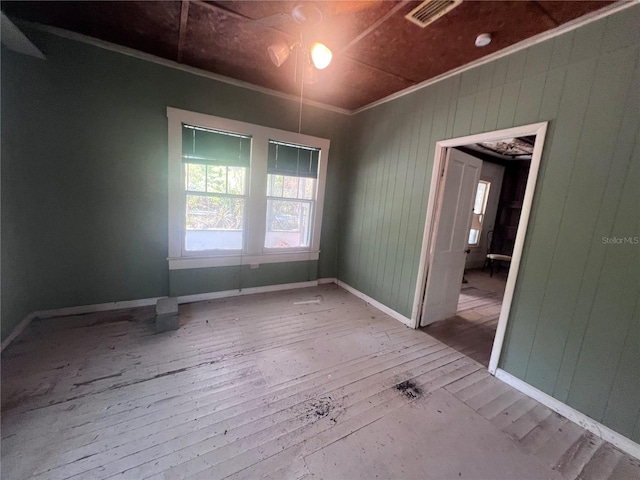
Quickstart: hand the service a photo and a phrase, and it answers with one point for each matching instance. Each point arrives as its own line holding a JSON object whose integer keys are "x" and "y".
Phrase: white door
{"x": 451, "y": 233}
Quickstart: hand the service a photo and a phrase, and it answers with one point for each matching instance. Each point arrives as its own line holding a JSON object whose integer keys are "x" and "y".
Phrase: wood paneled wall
{"x": 574, "y": 329}
{"x": 84, "y": 207}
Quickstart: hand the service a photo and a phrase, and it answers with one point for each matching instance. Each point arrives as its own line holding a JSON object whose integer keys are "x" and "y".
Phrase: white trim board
{"x": 97, "y": 307}
{"x": 255, "y": 217}
{"x": 143, "y": 302}
{"x": 383, "y": 308}
{"x": 186, "y": 263}
{"x": 77, "y": 310}
{"x": 623, "y": 443}
{"x": 17, "y": 330}
{"x": 78, "y": 37}
{"x": 198, "y": 297}
{"x": 537, "y": 129}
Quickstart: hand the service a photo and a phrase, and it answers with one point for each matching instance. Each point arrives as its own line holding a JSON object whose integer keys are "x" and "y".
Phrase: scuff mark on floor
{"x": 88, "y": 382}
{"x": 410, "y": 389}
{"x": 320, "y": 407}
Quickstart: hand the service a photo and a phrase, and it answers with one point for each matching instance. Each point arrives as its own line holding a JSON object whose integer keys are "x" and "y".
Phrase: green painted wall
{"x": 574, "y": 326}
{"x": 218, "y": 279}
{"x": 84, "y": 176}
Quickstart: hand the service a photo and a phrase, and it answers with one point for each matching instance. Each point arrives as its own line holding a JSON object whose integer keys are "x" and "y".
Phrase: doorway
{"x": 477, "y": 217}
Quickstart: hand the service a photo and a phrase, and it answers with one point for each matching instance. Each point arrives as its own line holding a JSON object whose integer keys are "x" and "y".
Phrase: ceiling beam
{"x": 546, "y": 13}
{"x": 377, "y": 69}
{"x": 374, "y": 25}
{"x": 184, "y": 15}
{"x": 237, "y": 16}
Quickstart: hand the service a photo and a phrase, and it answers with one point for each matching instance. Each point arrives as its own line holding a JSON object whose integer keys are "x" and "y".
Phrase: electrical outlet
{"x": 255, "y": 266}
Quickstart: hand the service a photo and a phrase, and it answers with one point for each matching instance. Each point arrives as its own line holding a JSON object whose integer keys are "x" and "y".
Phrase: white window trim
{"x": 256, "y": 208}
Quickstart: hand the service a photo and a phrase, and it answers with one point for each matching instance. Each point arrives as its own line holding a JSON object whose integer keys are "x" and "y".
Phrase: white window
{"x": 292, "y": 171}
{"x": 241, "y": 193}
{"x": 215, "y": 165}
{"x": 479, "y": 208}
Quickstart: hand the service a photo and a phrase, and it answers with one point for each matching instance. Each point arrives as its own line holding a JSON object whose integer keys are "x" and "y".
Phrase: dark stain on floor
{"x": 410, "y": 389}
{"x": 320, "y": 407}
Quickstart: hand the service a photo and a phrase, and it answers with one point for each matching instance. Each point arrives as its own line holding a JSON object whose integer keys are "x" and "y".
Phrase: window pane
{"x": 306, "y": 188}
{"x": 236, "y": 180}
{"x": 288, "y": 224}
{"x": 477, "y": 206}
{"x": 216, "y": 179}
{"x": 473, "y": 236}
{"x": 290, "y": 187}
{"x": 196, "y": 177}
{"x": 274, "y": 185}
{"x": 214, "y": 223}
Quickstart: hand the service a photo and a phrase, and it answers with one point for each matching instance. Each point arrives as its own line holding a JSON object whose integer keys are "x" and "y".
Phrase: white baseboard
{"x": 17, "y": 330}
{"x": 78, "y": 310}
{"x": 101, "y": 307}
{"x": 623, "y": 443}
{"x": 383, "y": 308}
{"x": 245, "y": 291}
{"x": 143, "y": 302}
{"x": 98, "y": 307}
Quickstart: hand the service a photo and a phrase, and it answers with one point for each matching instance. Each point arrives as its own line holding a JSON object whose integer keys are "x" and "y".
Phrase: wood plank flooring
{"x": 472, "y": 330}
{"x": 262, "y": 387}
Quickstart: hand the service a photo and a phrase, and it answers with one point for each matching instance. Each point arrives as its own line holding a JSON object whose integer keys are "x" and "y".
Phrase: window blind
{"x": 292, "y": 160}
{"x": 201, "y": 145}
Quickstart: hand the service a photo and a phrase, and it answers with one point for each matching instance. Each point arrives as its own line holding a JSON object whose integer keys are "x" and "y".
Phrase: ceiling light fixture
{"x": 483, "y": 40}
{"x": 320, "y": 54}
{"x": 308, "y": 14}
{"x": 279, "y": 52}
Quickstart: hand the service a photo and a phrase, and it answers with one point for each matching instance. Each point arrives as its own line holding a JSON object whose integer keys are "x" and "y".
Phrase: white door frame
{"x": 537, "y": 129}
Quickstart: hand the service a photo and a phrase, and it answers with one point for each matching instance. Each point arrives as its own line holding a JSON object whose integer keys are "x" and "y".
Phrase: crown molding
{"x": 544, "y": 36}
{"x": 78, "y": 37}
{"x": 516, "y": 47}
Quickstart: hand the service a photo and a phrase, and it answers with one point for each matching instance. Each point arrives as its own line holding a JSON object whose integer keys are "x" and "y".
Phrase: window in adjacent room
{"x": 479, "y": 207}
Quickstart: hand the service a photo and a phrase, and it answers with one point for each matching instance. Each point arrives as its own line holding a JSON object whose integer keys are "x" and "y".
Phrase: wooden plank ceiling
{"x": 377, "y": 51}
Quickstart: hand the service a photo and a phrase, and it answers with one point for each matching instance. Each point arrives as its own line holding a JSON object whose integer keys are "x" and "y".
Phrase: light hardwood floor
{"x": 259, "y": 387}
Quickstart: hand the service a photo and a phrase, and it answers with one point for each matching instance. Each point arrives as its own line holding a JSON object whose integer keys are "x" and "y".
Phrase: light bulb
{"x": 320, "y": 55}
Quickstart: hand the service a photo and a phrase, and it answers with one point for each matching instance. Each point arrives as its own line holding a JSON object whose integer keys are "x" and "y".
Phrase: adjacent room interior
{"x": 497, "y": 204}
{"x": 224, "y": 251}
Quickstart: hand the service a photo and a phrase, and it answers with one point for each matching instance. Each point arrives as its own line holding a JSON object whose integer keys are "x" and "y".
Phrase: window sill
{"x": 181, "y": 263}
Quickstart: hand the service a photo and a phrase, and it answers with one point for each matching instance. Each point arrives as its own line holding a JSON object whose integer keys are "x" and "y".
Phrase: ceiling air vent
{"x": 431, "y": 10}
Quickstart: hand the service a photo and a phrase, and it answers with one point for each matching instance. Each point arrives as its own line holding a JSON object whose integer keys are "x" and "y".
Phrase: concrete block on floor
{"x": 166, "y": 322}
{"x": 167, "y": 305}
{"x": 167, "y": 315}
